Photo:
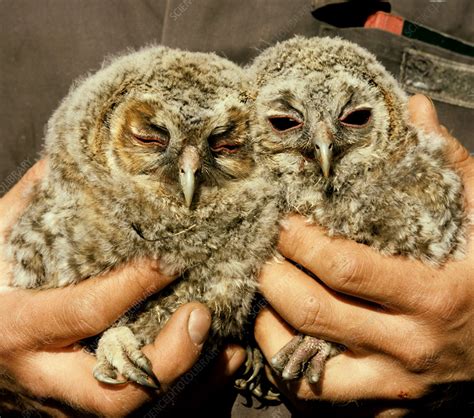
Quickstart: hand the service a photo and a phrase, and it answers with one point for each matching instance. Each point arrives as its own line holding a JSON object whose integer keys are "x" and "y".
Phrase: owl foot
{"x": 302, "y": 354}
{"x": 119, "y": 352}
{"x": 254, "y": 380}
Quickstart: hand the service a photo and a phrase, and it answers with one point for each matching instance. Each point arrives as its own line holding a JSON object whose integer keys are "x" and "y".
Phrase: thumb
{"x": 62, "y": 316}
{"x": 16, "y": 200}
{"x": 423, "y": 114}
{"x": 179, "y": 344}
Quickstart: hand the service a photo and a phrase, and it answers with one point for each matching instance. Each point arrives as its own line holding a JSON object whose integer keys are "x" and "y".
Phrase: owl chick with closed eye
{"x": 331, "y": 126}
{"x": 151, "y": 157}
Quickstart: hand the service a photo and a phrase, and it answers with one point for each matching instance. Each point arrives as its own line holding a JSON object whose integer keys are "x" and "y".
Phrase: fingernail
{"x": 431, "y": 101}
{"x": 198, "y": 326}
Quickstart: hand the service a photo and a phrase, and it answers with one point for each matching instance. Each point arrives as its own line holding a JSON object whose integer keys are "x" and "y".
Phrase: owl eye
{"x": 284, "y": 123}
{"x": 153, "y": 136}
{"x": 220, "y": 141}
{"x": 223, "y": 146}
{"x": 356, "y": 118}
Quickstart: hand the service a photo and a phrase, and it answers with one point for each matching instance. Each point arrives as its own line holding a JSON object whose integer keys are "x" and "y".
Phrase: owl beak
{"x": 189, "y": 167}
{"x": 323, "y": 152}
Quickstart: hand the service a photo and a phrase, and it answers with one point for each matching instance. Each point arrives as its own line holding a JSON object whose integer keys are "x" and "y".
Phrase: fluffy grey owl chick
{"x": 151, "y": 157}
{"x": 333, "y": 129}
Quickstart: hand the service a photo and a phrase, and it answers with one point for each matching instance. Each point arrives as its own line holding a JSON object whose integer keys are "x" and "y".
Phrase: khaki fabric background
{"x": 46, "y": 44}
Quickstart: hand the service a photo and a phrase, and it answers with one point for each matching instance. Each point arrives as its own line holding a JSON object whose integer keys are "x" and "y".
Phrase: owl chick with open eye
{"x": 151, "y": 157}
{"x": 332, "y": 128}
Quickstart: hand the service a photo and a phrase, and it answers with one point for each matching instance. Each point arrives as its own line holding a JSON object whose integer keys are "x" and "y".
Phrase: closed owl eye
{"x": 357, "y": 118}
{"x": 223, "y": 145}
{"x": 153, "y": 136}
{"x": 221, "y": 141}
{"x": 284, "y": 123}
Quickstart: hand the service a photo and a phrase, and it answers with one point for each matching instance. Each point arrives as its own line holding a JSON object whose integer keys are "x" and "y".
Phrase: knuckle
{"x": 344, "y": 269}
{"x": 308, "y": 316}
{"x": 443, "y": 303}
{"x": 85, "y": 315}
{"x": 421, "y": 357}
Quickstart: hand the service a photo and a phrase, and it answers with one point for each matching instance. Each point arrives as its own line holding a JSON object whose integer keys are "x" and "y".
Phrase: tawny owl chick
{"x": 332, "y": 127}
{"x": 151, "y": 157}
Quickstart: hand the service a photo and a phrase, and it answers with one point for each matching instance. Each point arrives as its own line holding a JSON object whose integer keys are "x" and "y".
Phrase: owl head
{"x": 160, "y": 123}
{"x": 324, "y": 107}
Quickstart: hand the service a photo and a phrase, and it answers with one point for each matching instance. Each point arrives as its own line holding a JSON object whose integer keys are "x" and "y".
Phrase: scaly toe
{"x": 280, "y": 359}
{"x": 141, "y": 361}
{"x": 107, "y": 376}
{"x": 307, "y": 348}
{"x": 135, "y": 375}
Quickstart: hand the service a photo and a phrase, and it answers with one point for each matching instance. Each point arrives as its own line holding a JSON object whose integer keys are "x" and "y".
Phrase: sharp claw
{"x": 143, "y": 363}
{"x": 140, "y": 378}
{"x": 286, "y": 375}
{"x": 257, "y": 391}
{"x": 101, "y": 377}
{"x": 314, "y": 378}
{"x": 248, "y": 361}
{"x": 272, "y": 396}
{"x": 279, "y": 360}
{"x": 148, "y": 383}
{"x": 256, "y": 384}
{"x": 240, "y": 384}
{"x": 257, "y": 366}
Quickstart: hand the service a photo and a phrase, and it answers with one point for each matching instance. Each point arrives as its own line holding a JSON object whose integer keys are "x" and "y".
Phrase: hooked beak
{"x": 189, "y": 166}
{"x": 323, "y": 147}
{"x": 323, "y": 152}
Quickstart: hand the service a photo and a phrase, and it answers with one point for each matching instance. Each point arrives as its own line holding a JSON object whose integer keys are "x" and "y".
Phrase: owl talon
{"x": 272, "y": 396}
{"x": 254, "y": 381}
{"x": 280, "y": 359}
{"x": 257, "y": 363}
{"x": 317, "y": 363}
{"x": 106, "y": 376}
{"x": 143, "y": 381}
{"x": 142, "y": 362}
{"x": 248, "y": 360}
{"x": 302, "y": 354}
{"x": 119, "y": 351}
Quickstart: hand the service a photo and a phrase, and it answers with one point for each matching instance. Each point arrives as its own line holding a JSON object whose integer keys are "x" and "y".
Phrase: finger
{"x": 13, "y": 203}
{"x": 315, "y": 310}
{"x": 60, "y": 317}
{"x": 228, "y": 362}
{"x": 356, "y": 269}
{"x": 423, "y": 114}
{"x": 185, "y": 333}
{"x": 347, "y": 376}
{"x": 67, "y": 374}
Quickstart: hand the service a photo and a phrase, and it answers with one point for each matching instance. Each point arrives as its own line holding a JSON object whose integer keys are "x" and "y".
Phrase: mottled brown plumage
{"x": 333, "y": 129}
{"x": 151, "y": 157}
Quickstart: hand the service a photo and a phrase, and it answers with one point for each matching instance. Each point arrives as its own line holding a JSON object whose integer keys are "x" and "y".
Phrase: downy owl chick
{"x": 151, "y": 157}
{"x": 333, "y": 129}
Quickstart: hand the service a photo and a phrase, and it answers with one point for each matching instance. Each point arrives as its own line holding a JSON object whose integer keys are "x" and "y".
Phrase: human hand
{"x": 407, "y": 326}
{"x": 42, "y": 368}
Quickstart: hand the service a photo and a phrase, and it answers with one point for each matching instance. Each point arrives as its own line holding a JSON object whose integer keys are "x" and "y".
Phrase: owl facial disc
{"x": 189, "y": 167}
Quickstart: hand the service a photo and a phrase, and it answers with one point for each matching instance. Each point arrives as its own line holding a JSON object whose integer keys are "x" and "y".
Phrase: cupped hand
{"x": 42, "y": 367}
{"x": 407, "y": 327}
